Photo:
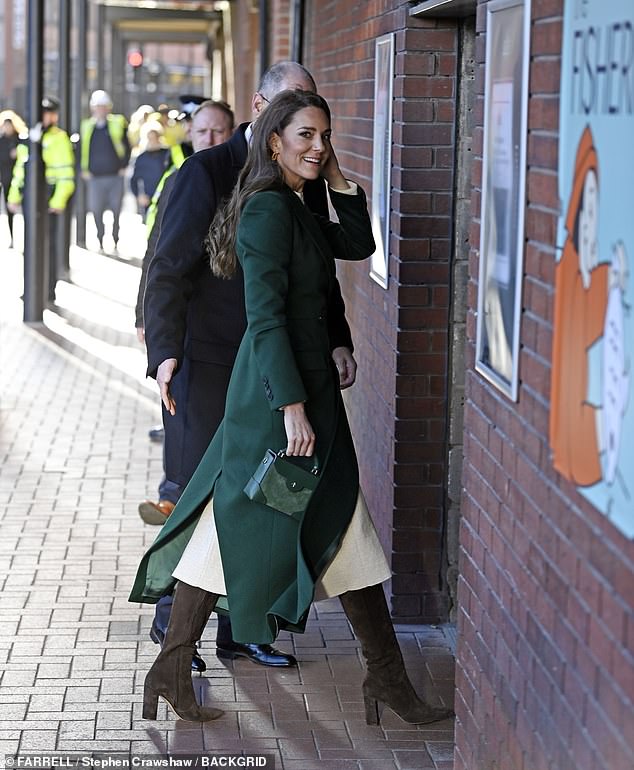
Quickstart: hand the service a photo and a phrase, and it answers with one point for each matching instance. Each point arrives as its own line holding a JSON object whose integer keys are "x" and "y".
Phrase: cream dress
{"x": 358, "y": 562}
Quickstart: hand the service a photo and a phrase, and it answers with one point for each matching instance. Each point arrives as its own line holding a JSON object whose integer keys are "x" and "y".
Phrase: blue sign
{"x": 592, "y": 388}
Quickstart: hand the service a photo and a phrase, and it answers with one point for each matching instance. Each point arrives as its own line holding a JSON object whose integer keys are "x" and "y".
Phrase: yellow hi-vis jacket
{"x": 177, "y": 157}
{"x": 117, "y": 129}
{"x": 59, "y": 168}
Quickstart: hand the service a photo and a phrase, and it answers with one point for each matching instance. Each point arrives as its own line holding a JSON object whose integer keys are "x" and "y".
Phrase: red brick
{"x": 432, "y": 87}
{"x": 545, "y": 76}
{"x": 543, "y": 112}
{"x": 426, "y": 40}
{"x": 546, "y": 37}
{"x": 543, "y": 189}
{"x": 542, "y": 151}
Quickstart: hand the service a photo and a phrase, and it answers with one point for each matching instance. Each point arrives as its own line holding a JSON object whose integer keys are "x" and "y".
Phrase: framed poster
{"x": 382, "y": 156}
{"x": 503, "y": 193}
{"x": 591, "y": 427}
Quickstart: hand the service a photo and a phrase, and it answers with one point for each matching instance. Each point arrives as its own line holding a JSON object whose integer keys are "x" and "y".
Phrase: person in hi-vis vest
{"x": 105, "y": 152}
{"x": 58, "y": 160}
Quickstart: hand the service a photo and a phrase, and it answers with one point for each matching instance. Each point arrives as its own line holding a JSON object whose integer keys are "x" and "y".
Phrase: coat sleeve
{"x": 136, "y": 175}
{"x": 338, "y": 328}
{"x": 316, "y": 198}
{"x": 179, "y": 256}
{"x": 352, "y": 238}
{"x": 264, "y": 246}
{"x": 161, "y": 205}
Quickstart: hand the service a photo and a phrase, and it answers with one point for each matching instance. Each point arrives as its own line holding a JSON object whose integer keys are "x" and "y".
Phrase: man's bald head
{"x": 281, "y": 76}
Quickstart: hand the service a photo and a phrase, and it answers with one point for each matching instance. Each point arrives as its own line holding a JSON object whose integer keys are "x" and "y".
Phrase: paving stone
{"x": 61, "y": 716}
{"x": 9, "y": 743}
{"x": 298, "y": 748}
{"x": 120, "y": 720}
{"x": 38, "y": 740}
{"x": 414, "y": 760}
{"x": 11, "y": 680}
{"x": 440, "y": 751}
{"x": 77, "y": 730}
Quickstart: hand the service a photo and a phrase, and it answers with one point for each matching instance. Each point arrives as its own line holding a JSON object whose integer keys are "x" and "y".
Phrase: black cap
{"x": 50, "y": 104}
{"x": 189, "y": 102}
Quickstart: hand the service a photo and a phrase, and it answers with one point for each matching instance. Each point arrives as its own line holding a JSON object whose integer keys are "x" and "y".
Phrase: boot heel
{"x": 373, "y": 709}
{"x": 150, "y": 703}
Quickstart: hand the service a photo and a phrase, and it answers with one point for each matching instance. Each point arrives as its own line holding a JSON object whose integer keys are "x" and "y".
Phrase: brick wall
{"x": 280, "y": 30}
{"x": 544, "y": 676}
{"x": 398, "y": 407}
{"x": 243, "y": 31}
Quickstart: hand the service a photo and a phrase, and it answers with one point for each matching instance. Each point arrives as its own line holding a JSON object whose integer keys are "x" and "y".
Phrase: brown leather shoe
{"x": 155, "y": 513}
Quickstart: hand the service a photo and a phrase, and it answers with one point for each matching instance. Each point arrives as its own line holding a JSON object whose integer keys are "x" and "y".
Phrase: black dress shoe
{"x": 198, "y": 664}
{"x": 157, "y": 433}
{"x": 263, "y": 654}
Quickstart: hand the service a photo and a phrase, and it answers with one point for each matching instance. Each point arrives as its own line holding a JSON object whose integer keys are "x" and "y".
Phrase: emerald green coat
{"x": 271, "y": 561}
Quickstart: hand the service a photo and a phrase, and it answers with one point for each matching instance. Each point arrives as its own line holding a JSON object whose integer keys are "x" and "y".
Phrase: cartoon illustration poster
{"x": 592, "y": 384}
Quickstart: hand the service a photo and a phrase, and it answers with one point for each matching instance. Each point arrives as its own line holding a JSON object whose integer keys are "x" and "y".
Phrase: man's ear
{"x": 257, "y": 104}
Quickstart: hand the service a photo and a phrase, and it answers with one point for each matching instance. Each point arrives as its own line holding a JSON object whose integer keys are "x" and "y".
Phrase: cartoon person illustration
{"x": 581, "y": 299}
{"x": 616, "y": 376}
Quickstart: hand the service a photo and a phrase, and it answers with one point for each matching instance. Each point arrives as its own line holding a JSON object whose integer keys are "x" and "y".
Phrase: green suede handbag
{"x": 282, "y": 484}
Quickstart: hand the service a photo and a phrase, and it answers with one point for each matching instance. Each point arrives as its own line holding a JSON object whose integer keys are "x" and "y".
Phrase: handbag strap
{"x": 314, "y": 470}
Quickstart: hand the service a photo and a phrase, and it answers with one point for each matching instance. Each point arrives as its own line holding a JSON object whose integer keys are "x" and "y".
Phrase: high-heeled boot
{"x": 386, "y": 680}
{"x": 170, "y": 675}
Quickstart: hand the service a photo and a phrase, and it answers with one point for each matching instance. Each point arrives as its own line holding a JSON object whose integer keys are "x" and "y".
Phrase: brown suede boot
{"x": 170, "y": 675}
{"x": 386, "y": 681}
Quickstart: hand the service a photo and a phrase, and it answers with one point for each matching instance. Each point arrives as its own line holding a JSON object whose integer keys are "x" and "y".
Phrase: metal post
{"x": 34, "y": 208}
{"x": 63, "y": 225}
{"x": 297, "y": 32}
{"x": 80, "y": 100}
{"x": 101, "y": 33}
{"x": 118, "y": 92}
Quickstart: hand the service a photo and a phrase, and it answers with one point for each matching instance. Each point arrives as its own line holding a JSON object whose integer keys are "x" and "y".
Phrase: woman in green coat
{"x": 284, "y": 394}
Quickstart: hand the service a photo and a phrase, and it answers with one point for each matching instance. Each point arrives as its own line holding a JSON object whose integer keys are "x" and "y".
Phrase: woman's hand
{"x": 331, "y": 171}
{"x": 300, "y": 436}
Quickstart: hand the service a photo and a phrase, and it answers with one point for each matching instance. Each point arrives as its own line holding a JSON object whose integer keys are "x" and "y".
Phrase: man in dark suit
{"x": 209, "y": 124}
{"x": 194, "y": 322}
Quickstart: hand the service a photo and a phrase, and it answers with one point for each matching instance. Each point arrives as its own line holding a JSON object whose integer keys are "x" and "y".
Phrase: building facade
{"x": 493, "y": 413}
{"x": 525, "y": 106}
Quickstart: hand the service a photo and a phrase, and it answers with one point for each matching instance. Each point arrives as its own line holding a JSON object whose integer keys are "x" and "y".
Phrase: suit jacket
{"x": 187, "y": 311}
{"x": 161, "y": 205}
{"x": 271, "y": 560}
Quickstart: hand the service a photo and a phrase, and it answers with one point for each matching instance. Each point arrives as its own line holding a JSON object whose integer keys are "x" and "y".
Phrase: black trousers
{"x": 5, "y": 182}
{"x": 163, "y": 611}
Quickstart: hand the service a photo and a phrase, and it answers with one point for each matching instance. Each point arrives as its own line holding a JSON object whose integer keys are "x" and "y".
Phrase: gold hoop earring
{"x": 274, "y": 155}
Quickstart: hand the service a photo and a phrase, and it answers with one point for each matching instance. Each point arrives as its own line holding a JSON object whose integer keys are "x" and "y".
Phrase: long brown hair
{"x": 261, "y": 172}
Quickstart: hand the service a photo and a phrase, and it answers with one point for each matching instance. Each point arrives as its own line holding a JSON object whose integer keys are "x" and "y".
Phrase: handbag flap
{"x": 280, "y": 483}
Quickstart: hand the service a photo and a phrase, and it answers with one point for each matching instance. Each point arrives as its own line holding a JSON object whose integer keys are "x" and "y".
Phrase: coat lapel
{"x": 309, "y": 223}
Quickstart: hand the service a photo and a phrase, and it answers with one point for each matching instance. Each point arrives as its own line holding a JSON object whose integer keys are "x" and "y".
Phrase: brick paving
{"x": 75, "y": 461}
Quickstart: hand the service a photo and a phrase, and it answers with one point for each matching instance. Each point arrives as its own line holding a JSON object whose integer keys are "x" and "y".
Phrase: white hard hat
{"x": 100, "y": 99}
